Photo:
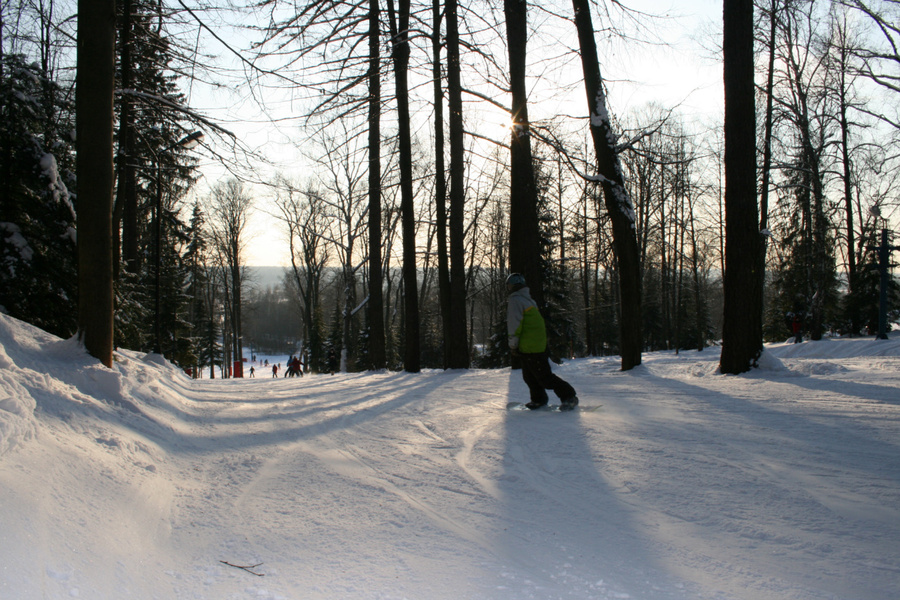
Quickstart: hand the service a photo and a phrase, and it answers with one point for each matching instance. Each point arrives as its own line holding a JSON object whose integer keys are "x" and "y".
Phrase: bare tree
{"x": 230, "y": 206}
{"x": 456, "y": 338}
{"x": 880, "y": 53}
{"x": 399, "y": 25}
{"x": 376, "y": 281}
{"x": 440, "y": 177}
{"x": 618, "y": 203}
{"x": 303, "y": 211}
{"x": 808, "y": 117}
{"x": 342, "y": 180}
{"x": 841, "y": 72}
{"x": 524, "y": 233}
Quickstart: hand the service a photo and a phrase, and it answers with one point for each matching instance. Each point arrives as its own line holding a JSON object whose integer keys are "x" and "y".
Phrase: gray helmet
{"x": 515, "y": 279}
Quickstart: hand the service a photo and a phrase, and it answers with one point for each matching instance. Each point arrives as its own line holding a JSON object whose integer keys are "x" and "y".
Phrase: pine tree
{"x": 152, "y": 169}
{"x": 133, "y": 312}
{"x": 37, "y": 217}
{"x": 175, "y": 302}
{"x": 864, "y": 302}
{"x": 196, "y": 273}
{"x": 556, "y": 307}
{"x": 209, "y": 351}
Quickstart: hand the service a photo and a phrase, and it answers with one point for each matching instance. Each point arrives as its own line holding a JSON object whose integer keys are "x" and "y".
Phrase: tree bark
{"x": 376, "y": 300}
{"x": 524, "y": 231}
{"x": 95, "y": 81}
{"x": 767, "y": 131}
{"x": 618, "y": 203}
{"x": 399, "y": 23}
{"x": 126, "y": 196}
{"x": 742, "y": 328}
{"x": 440, "y": 181}
{"x": 456, "y": 337}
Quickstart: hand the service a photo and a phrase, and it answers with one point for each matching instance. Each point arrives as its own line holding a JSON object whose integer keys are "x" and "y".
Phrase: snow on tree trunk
{"x": 615, "y": 195}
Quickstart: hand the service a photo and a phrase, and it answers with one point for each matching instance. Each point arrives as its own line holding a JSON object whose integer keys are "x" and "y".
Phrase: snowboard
{"x": 550, "y": 408}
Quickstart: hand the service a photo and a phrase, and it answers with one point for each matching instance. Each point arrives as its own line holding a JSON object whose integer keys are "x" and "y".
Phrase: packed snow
{"x": 139, "y": 482}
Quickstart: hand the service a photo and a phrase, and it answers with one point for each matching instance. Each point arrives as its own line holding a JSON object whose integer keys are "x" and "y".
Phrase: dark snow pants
{"x": 539, "y": 378}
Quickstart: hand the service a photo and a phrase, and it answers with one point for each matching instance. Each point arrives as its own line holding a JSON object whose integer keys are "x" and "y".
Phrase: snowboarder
{"x": 528, "y": 341}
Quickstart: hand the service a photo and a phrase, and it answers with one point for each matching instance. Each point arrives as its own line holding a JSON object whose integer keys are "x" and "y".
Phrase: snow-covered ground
{"x": 137, "y": 482}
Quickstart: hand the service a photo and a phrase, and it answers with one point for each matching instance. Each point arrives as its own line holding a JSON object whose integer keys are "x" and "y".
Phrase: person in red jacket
{"x": 528, "y": 341}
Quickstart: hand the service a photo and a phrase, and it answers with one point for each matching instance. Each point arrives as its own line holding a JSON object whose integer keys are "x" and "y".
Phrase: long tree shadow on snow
{"x": 568, "y": 530}
{"x": 740, "y": 451}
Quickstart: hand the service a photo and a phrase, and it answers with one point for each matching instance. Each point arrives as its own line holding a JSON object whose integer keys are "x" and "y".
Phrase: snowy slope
{"x": 136, "y": 482}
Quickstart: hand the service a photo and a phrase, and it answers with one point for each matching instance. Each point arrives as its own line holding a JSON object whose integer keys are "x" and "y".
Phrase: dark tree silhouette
{"x": 742, "y": 327}
{"x": 95, "y": 80}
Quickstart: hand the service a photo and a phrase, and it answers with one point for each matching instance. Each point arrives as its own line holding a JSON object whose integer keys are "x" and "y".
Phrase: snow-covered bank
{"x": 137, "y": 482}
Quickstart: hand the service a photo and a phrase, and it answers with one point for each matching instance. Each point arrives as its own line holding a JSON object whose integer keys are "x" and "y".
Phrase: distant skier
{"x": 293, "y": 367}
{"x": 528, "y": 341}
{"x": 290, "y": 367}
{"x": 275, "y": 371}
{"x": 332, "y": 361}
{"x": 252, "y": 372}
{"x": 797, "y": 328}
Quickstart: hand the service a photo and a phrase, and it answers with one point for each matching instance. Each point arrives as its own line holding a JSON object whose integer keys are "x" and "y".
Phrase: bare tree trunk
{"x": 456, "y": 338}
{"x": 663, "y": 297}
{"x": 400, "y": 55}
{"x": 618, "y": 204}
{"x": 524, "y": 232}
{"x": 237, "y": 301}
{"x": 376, "y": 300}
{"x": 95, "y": 81}
{"x": 742, "y": 328}
{"x": 699, "y": 302}
{"x": 586, "y": 277}
{"x": 842, "y": 70}
{"x": 440, "y": 180}
{"x": 126, "y": 196}
{"x": 229, "y": 220}
{"x": 227, "y": 314}
{"x": 767, "y": 133}
{"x": 767, "y": 147}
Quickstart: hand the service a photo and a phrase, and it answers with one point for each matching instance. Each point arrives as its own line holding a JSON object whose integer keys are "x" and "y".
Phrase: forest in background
{"x": 827, "y": 83}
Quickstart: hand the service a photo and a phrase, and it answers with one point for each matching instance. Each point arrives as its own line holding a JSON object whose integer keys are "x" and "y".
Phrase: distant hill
{"x": 265, "y": 277}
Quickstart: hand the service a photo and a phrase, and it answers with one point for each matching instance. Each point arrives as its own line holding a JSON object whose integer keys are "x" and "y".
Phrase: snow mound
{"x": 769, "y": 362}
{"x": 837, "y": 348}
{"x": 43, "y": 373}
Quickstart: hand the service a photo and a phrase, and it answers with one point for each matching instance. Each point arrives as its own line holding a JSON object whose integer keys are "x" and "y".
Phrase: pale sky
{"x": 681, "y": 73}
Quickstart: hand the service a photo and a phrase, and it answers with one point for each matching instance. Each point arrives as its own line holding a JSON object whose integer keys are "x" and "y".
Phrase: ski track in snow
{"x": 137, "y": 482}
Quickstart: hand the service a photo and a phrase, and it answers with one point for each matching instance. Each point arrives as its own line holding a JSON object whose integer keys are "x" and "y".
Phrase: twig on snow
{"x": 248, "y": 568}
